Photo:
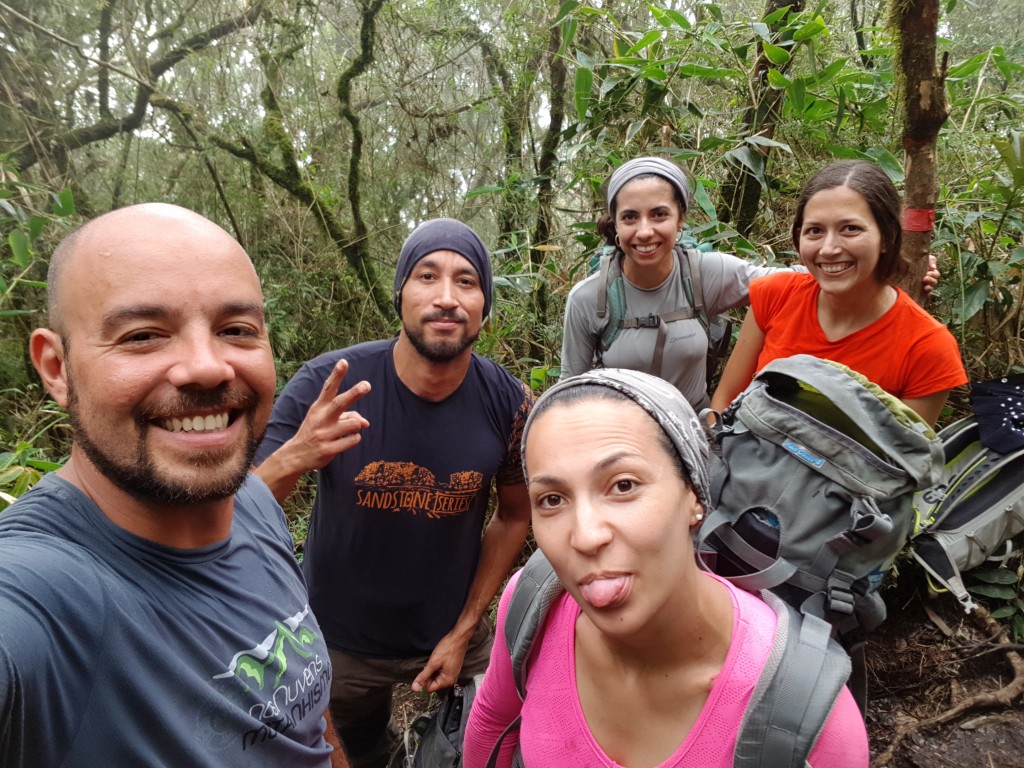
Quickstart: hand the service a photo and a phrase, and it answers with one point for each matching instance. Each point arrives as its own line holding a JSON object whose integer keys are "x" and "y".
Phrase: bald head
{"x": 119, "y": 233}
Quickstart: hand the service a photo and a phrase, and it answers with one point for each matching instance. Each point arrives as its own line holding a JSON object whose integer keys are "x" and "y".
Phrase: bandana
{"x": 665, "y": 404}
{"x": 444, "y": 235}
{"x": 644, "y": 166}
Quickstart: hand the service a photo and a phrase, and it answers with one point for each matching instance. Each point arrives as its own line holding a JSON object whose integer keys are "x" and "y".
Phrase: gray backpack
{"x": 611, "y": 309}
{"x": 801, "y": 679}
{"x": 812, "y": 493}
{"x": 974, "y": 512}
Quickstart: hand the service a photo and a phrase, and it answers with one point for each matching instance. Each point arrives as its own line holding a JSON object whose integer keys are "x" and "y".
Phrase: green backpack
{"x": 611, "y": 308}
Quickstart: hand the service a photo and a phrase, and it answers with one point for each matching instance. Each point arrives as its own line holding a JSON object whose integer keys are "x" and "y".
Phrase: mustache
{"x": 444, "y": 314}
{"x": 227, "y": 397}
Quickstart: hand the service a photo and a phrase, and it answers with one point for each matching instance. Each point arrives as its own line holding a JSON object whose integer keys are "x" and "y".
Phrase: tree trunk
{"x": 925, "y": 110}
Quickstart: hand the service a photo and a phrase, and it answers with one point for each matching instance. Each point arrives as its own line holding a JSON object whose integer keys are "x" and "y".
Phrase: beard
{"x": 443, "y": 351}
{"x": 212, "y": 476}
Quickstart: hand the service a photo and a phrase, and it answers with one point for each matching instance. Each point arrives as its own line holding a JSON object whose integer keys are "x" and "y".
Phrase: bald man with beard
{"x": 151, "y": 610}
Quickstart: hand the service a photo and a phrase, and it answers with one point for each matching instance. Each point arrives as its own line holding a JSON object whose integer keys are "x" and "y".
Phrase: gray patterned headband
{"x": 643, "y": 166}
{"x": 665, "y": 404}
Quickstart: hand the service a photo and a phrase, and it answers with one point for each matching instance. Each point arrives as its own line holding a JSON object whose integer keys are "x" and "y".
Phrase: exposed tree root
{"x": 1004, "y": 697}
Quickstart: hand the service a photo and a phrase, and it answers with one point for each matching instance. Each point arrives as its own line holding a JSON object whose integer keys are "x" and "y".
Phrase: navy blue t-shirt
{"x": 394, "y": 538}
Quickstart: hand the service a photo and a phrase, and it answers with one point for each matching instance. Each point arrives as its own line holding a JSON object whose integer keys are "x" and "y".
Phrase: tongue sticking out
{"x": 603, "y": 593}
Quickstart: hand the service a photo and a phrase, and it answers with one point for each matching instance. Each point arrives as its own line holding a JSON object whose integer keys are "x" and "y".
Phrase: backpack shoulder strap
{"x": 538, "y": 587}
{"x": 801, "y": 680}
{"x": 693, "y": 285}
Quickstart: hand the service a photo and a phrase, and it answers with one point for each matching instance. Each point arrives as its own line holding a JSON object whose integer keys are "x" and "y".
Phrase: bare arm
{"x": 502, "y": 543}
{"x": 742, "y": 364}
{"x": 929, "y": 407}
{"x": 328, "y": 429}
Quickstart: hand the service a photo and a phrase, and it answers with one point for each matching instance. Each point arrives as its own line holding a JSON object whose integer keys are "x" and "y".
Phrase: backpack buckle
{"x": 839, "y": 600}
{"x": 651, "y": 321}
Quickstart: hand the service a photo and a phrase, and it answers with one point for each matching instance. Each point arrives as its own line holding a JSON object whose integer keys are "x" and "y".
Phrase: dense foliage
{"x": 319, "y": 133}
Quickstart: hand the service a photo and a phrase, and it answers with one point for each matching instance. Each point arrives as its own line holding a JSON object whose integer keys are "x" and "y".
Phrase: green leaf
{"x": 568, "y": 35}
{"x": 567, "y": 7}
{"x": 643, "y": 42}
{"x": 667, "y": 17}
{"x": 763, "y": 141}
{"x": 35, "y": 226}
{"x": 796, "y": 94}
{"x": 634, "y": 128}
{"x": 1003, "y": 613}
{"x": 971, "y": 302}
{"x": 772, "y": 18}
{"x": 21, "y": 254}
{"x": 967, "y": 68}
{"x": 776, "y": 55}
{"x": 763, "y": 31}
{"x": 750, "y": 160}
{"x": 584, "y": 82}
{"x": 1012, "y": 151}
{"x": 994, "y": 591}
{"x": 829, "y": 72}
{"x": 996, "y": 576}
{"x": 891, "y": 164}
{"x": 700, "y": 195}
{"x": 64, "y": 203}
{"x": 1017, "y": 257}
{"x": 809, "y": 30}
{"x": 777, "y": 80}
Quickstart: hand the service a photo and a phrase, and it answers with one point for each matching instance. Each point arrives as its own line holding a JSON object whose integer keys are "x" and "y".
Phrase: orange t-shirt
{"x": 906, "y": 351}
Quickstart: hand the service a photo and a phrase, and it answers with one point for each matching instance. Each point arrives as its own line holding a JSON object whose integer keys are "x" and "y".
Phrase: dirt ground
{"x": 919, "y": 666}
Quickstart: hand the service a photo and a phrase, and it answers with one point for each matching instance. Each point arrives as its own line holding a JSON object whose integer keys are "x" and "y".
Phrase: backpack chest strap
{"x": 661, "y": 323}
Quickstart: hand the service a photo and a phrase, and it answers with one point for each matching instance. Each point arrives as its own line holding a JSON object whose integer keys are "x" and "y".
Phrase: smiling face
{"x": 611, "y": 510}
{"x": 442, "y": 306}
{"x": 161, "y": 355}
{"x": 648, "y": 219}
{"x": 840, "y": 242}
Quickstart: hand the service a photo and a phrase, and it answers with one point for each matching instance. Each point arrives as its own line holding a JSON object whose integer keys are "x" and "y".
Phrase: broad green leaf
{"x": 763, "y": 141}
{"x": 829, "y": 72}
{"x": 749, "y": 159}
{"x": 796, "y": 94}
{"x": 634, "y": 128}
{"x": 1004, "y": 613}
{"x": 567, "y": 7}
{"x": 967, "y": 68}
{"x": 35, "y": 226}
{"x": 584, "y": 81}
{"x": 700, "y": 194}
{"x": 776, "y": 55}
{"x": 1016, "y": 258}
{"x": 972, "y": 301}
{"x": 762, "y": 31}
{"x": 996, "y": 591}
{"x": 568, "y": 35}
{"x": 777, "y": 80}
{"x": 584, "y": 59}
{"x": 996, "y": 576}
{"x": 809, "y": 30}
{"x": 64, "y": 203}
{"x": 772, "y": 18}
{"x": 21, "y": 254}
{"x": 891, "y": 164}
{"x": 643, "y": 42}
{"x": 666, "y": 17}
{"x": 1012, "y": 152}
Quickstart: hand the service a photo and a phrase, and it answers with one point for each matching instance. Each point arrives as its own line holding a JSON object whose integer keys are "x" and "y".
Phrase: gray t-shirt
{"x": 117, "y": 651}
{"x": 726, "y": 284}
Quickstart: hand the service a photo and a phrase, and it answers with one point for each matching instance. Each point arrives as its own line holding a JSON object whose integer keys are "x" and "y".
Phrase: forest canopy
{"x": 320, "y": 133}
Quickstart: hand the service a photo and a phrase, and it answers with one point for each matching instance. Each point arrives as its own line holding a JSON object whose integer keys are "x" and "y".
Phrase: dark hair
{"x": 870, "y": 182}
{"x": 606, "y": 223}
{"x": 586, "y": 392}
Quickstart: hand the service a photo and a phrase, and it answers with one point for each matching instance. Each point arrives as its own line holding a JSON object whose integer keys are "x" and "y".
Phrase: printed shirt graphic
{"x": 119, "y": 651}
{"x": 394, "y": 538}
{"x": 401, "y": 486}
